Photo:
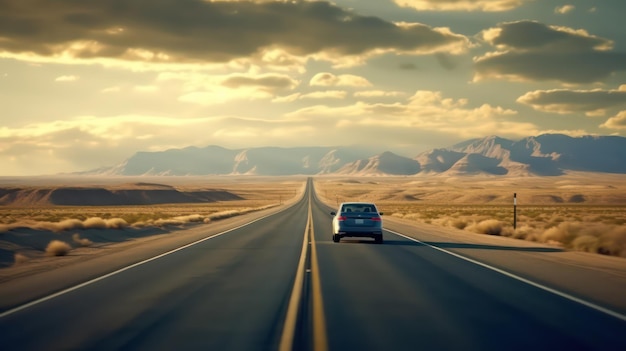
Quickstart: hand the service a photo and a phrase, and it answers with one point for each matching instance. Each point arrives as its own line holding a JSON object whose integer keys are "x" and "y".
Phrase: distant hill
{"x": 132, "y": 194}
{"x": 386, "y": 163}
{"x": 216, "y": 160}
{"x": 543, "y": 155}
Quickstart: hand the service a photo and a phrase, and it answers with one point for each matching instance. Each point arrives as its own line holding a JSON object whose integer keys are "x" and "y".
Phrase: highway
{"x": 280, "y": 283}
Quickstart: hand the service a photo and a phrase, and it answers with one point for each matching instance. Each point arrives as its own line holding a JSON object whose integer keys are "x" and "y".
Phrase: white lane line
{"x": 89, "y": 282}
{"x": 523, "y": 280}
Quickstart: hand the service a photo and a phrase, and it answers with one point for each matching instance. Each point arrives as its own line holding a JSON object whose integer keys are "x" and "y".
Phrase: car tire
{"x": 336, "y": 238}
{"x": 379, "y": 239}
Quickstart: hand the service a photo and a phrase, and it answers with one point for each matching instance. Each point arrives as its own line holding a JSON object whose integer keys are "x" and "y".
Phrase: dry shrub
{"x": 588, "y": 243}
{"x": 142, "y": 224}
{"x": 563, "y": 234}
{"x": 525, "y": 232}
{"x": 20, "y": 258}
{"x": 592, "y": 218}
{"x": 613, "y": 242}
{"x": 554, "y": 221}
{"x": 177, "y": 221}
{"x": 489, "y": 226}
{"x": 194, "y": 218}
{"x": 591, "y": 237}
{"x": 58, "y": 248}
{"x": 167, "y": 222}
{"x": 99, "y": 223}
{"x": 67, "y": 224}
{"x": 413, "y": 216}
{"x": 226, "y": 214}
{"x": 116, "y": 223}
{"x": 459, "y": 223}
{"x": 197, "y": 218}
{"x": 95, "y": 223}
{"x": 81, "y": 241}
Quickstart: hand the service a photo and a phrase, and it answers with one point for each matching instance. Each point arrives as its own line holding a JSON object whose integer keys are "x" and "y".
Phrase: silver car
{"x": 357, "y": 219}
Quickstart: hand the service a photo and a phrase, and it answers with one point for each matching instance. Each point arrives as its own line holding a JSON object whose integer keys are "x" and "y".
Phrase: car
{"x": 357, "y": 219}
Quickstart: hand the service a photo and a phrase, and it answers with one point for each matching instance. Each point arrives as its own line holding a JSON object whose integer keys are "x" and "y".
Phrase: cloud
{"x": 378, "y": 93}
{"x": 591, "y": 102}
{"x": 616, "y": 122}
{"x": 66, "y": 79}
{"x": 424, "y": 118}
{"x": 145, "y": 88}
{"x": 561, "y": 10}
{"x": 407, "y": 66}
{"x": 328, "y": 79}
{"x": 329, "y": 94}
{"x": 114, "y": 89}
{"x": 445, "y": 61}
{"x": 197, "y": 32}
{"x": 218, "y": 96}
{"x": 212, "y": 89}
{"x": 463, "y": 5}
{"x": 269, "y": 82}
{"x": 422, "y": 113}
{"x": 288, "y": 98}
{"x": 532, "y": 35}
{"x": 565, "y": 55}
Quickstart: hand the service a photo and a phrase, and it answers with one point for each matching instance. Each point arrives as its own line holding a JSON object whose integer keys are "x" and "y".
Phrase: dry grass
{"x": 549, "y": 209}
{"x": 256, "y": 193}
{"x": 62, "y": 218}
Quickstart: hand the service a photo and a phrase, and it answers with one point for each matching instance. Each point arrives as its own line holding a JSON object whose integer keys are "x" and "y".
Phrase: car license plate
{"x": 358, "y": 221}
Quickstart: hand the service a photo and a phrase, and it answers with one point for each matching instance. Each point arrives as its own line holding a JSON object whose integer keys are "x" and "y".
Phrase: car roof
{"x": 357, "y": 203}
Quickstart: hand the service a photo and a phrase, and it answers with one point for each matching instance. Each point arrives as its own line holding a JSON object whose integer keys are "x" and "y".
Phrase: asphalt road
{"x": 264, "y": 287}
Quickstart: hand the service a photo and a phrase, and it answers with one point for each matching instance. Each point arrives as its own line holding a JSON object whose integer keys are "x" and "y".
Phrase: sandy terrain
{"x": 580, "y": 211}
{"x": 576, "y": 188}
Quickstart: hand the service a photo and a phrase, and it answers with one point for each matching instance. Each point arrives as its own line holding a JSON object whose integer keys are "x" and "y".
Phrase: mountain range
{"x": 543, "y": 155}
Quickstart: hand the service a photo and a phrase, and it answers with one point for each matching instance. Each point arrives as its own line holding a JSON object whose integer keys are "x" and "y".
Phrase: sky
{"x": 86, "y": 84}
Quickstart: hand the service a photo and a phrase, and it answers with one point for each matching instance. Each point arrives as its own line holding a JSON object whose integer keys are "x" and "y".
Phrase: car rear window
{"x": 358, "y": 208}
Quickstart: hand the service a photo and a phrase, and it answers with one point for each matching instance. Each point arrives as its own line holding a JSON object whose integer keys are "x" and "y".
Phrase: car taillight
{"x": 342, "y": 218}
{"x": 376, "y": 219}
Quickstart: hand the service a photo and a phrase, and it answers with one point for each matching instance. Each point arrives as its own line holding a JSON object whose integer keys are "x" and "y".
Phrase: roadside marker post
{"x": 514, "y": 211}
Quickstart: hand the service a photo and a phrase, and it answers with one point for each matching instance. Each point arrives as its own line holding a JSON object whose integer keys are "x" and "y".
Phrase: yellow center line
{"x": 320, "y": 340}
{"x": 289, "y": 329}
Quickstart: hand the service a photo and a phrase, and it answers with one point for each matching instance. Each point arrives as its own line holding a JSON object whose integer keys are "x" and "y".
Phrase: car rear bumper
{"x": 360, "y": 234}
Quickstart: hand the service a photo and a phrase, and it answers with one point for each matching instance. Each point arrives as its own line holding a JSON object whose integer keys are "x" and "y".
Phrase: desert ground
{"x": 579, "y": 211}
{"x": 38, "y": 227}
{"x": 42, "y": 221}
